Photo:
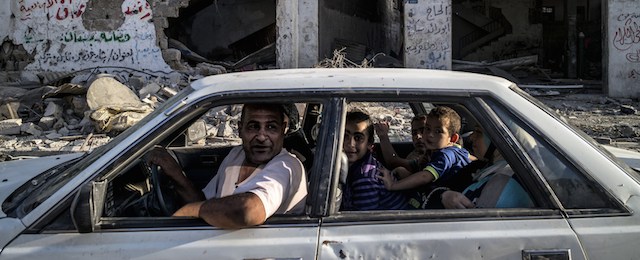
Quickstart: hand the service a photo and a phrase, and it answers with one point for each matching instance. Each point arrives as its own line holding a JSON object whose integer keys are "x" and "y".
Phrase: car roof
{"x": 349, "y": 78}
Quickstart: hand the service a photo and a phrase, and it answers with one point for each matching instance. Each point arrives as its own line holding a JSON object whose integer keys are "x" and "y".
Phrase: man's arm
{"x": 231, "y": 212}
{"x": 187, "y": 191}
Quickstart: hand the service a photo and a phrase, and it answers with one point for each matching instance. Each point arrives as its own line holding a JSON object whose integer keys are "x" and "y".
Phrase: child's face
{"x": 436, "y": 135}
{"x": 356, "y": 143}
{"x": 417, "y": 129}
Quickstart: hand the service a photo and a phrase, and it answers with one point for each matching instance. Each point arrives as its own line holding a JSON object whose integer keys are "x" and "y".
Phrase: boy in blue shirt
{"x": 440, "y": 136}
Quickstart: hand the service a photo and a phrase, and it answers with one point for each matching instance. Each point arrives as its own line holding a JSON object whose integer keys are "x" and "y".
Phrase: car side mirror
{"x": 194, "y": 133}
{"x": 86, "y": 207}
{"x": 197, "y": 131}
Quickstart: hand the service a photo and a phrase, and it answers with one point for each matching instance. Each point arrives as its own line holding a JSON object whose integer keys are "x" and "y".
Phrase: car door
{"x": 541, "y": 232}
{"x": 82, "y": 223}
{"x": 591, "y": 185}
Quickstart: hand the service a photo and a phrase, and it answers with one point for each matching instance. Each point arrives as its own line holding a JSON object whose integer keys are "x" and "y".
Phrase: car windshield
{"x": 38, "y": 189}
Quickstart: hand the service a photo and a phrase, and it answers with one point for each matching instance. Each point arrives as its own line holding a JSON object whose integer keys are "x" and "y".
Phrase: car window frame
{"x": 621, "y": 208}
{"x": 179, "y": 121}
{"x": 467, "y": 99}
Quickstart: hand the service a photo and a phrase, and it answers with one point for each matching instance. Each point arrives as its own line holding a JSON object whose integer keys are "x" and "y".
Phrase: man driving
{"x": 255, "y": 180}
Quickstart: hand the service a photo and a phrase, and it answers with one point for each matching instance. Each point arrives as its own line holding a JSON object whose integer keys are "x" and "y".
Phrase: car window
{"x": 362, "y": 184}
{"x": 566, "y": 180}
{"x": 131, "y": 194}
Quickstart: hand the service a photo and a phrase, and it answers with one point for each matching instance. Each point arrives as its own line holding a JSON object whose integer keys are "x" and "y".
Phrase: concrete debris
{"x": 46, "y": 122}
{"x": 118, "y": 118}
{"x": 65, "y": 90}
{"x": 149, "y": 90}
{"x": 629, "y": 110}
{"x": 43, "y": 120}
{"x": 53, "y": 110}
{"x": 9, "y": 109}
{"x": 10, "y": 126}
{"x": 31, "y": 128}
{"x": 502, "y": 64}
{"x": 206, "y": 69}
{"x": 116, "y": 107}
{"x": 107, "y": 91}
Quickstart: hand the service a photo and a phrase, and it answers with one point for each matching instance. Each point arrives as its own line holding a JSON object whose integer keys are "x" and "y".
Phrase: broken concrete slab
{"x": 46, "y": 122}
{"x": 65, "y": 90}
{"x": 206, "y": 69}
{"x": 149, "y": 89}
{"x": 53, "y": 110}
{"x": 31, "y": 128}
{"x": 107, "y": 91}
{"x": 10, "y": 126}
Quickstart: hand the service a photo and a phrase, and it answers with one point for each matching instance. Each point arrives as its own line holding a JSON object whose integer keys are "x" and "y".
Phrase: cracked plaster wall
{"x": 65, "y": 36}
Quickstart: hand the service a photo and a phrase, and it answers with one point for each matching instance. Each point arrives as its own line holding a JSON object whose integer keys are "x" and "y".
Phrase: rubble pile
{"x": 76, "y": 116}
{"x": 610, "y": 121}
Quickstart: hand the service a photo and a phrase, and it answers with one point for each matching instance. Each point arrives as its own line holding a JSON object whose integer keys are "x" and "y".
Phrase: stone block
{"x": 170, "y": 55}
{"x": 53, "y": 110}
{"x": 10, "y": 126}
{"x": 161, "y": 22}
{"x": 31, "y": 129}
{"x": 46, "y": 122}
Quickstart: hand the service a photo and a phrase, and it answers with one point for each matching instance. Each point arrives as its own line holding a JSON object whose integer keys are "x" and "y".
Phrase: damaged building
{"x": 52, "y": 51}
{"x": 593, "y": 40}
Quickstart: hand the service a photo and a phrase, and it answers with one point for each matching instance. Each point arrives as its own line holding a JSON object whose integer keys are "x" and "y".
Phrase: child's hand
{"x": 382, "y": 128}
{"x": 387, "y": 178}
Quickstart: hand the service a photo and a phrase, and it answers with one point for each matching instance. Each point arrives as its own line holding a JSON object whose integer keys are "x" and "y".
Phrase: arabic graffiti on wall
{"x": 623, "y": 49}
{"x": 627, "y": 33}
{"x": 139, "y": 8}
{"x": 95, "y": 37}
{"x": 53, "y": 29}
{"x": 626, "y": 40}
{"x": 95, "y": 56}
{"x": 428, "y": 34}
{"x": 52, "y": 9}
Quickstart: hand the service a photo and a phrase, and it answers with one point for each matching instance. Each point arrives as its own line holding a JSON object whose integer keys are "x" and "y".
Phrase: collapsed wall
{"x": 75, "y": 35}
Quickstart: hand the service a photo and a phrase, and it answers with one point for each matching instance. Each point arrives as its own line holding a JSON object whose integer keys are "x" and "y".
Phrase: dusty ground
{"x": 609, "y": 120}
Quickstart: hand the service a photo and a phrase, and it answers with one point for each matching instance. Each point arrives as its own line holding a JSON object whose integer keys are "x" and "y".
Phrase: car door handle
{"x": 210, "y": 159}
{"x": 550, "y": 254}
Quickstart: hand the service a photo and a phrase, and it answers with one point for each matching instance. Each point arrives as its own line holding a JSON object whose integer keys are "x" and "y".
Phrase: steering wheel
{"x": 161, "y": 199}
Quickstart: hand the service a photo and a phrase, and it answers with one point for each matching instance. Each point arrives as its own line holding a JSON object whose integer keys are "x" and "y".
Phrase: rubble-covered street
{"x": 608, "y": 120}
{"x": 75, "y": 117}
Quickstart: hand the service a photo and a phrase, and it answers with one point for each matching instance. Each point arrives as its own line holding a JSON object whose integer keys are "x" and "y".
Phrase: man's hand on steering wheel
{"x": 160, "y": 156}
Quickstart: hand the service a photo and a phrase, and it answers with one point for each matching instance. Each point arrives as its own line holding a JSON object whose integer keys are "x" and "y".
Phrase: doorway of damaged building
{"x": 527, "y": 41}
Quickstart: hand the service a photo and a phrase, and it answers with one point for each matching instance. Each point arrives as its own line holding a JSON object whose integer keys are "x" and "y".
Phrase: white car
{"x": 107, "y": 205}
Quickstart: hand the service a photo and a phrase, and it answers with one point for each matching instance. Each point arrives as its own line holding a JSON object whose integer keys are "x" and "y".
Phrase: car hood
{"x": 631, "y": 158}
{"x": 14, "y": 174}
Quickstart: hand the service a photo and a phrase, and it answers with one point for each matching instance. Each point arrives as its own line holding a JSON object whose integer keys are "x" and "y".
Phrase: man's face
{"x": 262, "y": 134}
{"x": 417, "y": 129}
{"x": 436, "y": 135}
{"x": 356, "y": 141}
